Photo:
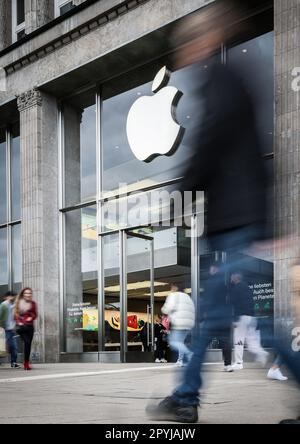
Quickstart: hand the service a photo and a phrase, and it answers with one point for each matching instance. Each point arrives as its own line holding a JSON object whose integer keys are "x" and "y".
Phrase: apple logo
{"x": 152, "y": 128}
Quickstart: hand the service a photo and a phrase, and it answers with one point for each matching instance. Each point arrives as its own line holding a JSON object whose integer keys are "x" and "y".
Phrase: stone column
{"x": 287, "y": 154}
{"x": 38, "y": 13}
{"x": 5, "y": 24}
{"x": 40, "y": 216}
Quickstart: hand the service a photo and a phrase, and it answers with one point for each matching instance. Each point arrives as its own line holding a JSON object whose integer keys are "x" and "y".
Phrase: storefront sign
{"x": 152, "y": 128}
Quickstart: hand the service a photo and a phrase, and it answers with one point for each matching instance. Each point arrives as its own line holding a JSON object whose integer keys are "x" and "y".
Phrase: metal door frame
{"x": 124, "y": 236}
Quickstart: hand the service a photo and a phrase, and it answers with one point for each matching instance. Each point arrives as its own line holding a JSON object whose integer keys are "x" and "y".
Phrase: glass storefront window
{"x": 255, "y": 61}
{"x": 123, "y": 172}
{"x": 81, "y": 281}
{"x": 15, "y": 175}
{"x": 162, "y": 206}
{"x": 16, "y": 258}
{"x": 112, "y": 301}
{"x": 3, "y": 190}
{"x": 3, "y": 261}
{"x": 120, "y": 164}
{"x": 80, "y": 149}
{"x": 10, "y": 210}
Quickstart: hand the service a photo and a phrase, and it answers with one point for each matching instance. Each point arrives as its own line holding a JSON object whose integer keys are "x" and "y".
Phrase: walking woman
{"x": 25, "y": 315}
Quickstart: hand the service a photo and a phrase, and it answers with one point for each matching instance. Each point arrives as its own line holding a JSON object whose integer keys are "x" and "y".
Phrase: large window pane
{"x": 20, "y": 11}
{"x": 111, "y": 268}
{"x": 120, "y": 164}
{"x": 80, "y": 149}
{"x": 81, "y": 281}
{"x": 255, "y": 61}
{"x": 16, "y": 257}
{"x": 15, "y": 176}
{"x": 3, "y": 190}
{"x": 3, "y": 261}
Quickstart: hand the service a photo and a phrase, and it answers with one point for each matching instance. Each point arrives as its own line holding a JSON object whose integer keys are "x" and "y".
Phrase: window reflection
{"x": 16, "y": 257}
{"x": 3, "y": 260}
{"x": 255, "y": 61}
{"x": 88, "y": 153}
{"x": 120, "y": 164}
{"x": 80, "y": 148}
{"x": 15, "y": 175}
{"x": 81, "y": 281}
{"x": 3, "y": 191}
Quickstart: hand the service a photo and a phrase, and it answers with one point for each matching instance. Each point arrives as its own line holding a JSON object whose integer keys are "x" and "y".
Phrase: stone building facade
{"x": 93, "y": 42}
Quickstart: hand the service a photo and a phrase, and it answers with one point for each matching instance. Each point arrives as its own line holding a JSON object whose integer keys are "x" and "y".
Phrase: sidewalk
{"x": 118, "y": 394}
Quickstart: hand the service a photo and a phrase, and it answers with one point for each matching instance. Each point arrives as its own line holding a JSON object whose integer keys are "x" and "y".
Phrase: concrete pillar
{"x": 38, "y": 13}
{"x": 5, "y": 24}
{"x": 287, "y": 154}
{"x": 40, "y": 216}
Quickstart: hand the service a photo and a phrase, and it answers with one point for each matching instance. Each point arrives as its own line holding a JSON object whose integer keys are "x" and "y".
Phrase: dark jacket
{"x": 241, "y": 299}
{"x": 227, "y": 163}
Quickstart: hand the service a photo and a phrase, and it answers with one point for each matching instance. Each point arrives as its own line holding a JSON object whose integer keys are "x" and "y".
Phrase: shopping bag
{"x": 3, "y": 351}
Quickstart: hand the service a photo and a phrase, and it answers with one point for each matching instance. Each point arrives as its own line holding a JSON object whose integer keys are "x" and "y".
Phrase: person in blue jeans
{"x": 227, "y": 165}
{"x": 7, "y": 322}
{"x": 180, "y": 310}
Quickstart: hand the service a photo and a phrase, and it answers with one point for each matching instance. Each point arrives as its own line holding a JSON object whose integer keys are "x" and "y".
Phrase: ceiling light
{"x": 135, "y": 286}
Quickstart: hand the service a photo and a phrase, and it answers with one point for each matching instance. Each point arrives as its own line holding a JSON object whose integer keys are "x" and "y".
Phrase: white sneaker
{"x": 237, "y": 366}
{"x": 164, "y": 361}
{"x": 262, "y": 358}
{"x": 179, "y": 363}
{"x": 276, "y": 374}
{"x": 158, "y": 361}
{"x": 228, "y": 368}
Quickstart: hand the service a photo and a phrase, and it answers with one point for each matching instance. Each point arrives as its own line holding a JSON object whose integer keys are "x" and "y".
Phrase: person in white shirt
{"x": 181, "y": 312}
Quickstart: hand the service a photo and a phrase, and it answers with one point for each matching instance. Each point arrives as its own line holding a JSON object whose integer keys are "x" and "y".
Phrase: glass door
{"x": 137, "y": 296}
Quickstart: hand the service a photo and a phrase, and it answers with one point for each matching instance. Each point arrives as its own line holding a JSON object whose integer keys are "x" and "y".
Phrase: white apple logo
{"x": 152, "y": 128}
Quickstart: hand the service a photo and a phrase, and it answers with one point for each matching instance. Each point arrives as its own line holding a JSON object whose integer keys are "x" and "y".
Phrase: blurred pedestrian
{"x": 227, "y": 165}
{"x": 7, "y": 322}
{"x": 275, "y": 370}
{"x": 215, "y": 300}
{"x": 25, "y": 314}
{"x": 181, "y": 313}
{"x": 245, "y": 324}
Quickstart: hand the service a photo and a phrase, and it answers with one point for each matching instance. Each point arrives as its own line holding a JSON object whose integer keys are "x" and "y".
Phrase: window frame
{"x": 16, "y": 29}
{"x": 59, "y": 4}
{"x": 101, "y": 199}
{"x": 9, "y": 224}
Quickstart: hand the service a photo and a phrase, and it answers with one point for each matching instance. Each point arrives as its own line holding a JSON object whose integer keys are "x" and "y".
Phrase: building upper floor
{"x": 19, "y": 18}
{"x": 59, "y": 46}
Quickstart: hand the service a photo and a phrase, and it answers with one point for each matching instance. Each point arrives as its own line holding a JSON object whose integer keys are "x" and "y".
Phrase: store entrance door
{"x": 137, "y": 297}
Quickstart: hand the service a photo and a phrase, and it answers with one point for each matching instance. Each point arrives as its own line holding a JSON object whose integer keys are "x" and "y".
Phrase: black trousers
{"x": 226, "y": 345}
{"x": 160, "y": 350}
{"x": 26, "y": 333}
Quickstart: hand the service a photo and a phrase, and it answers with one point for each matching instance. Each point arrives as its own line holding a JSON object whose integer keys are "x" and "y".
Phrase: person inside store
{"x": 160, "y": 344}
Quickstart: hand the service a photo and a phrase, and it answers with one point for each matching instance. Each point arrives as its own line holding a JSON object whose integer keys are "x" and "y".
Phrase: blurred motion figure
{"x": 227, "y": 165}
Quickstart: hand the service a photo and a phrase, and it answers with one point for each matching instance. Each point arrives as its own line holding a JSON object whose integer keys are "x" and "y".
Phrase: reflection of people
{"x": 245, "y": 326}
{"x": 25, "y": 315}
{"x": 181, "y": 313}
{"x": 7, "y": 321}
{"x": 160, "y": 344}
